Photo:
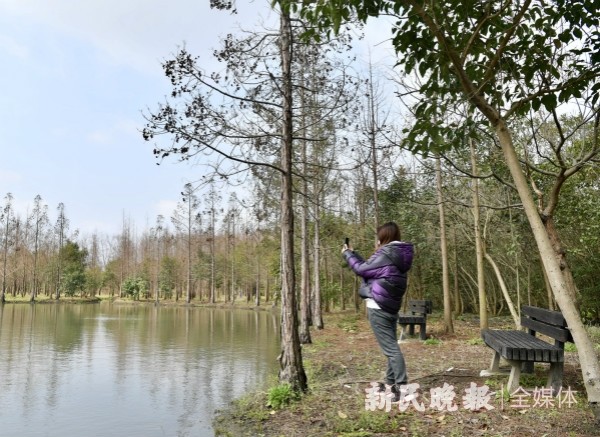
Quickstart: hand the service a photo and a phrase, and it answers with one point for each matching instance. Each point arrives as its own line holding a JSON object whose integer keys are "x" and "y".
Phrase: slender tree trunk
{"x": 372, "y": 128}
{"x": 448, "y": 326}
{"x": 305, "y": 271}
{"x": 257, "y": 294}
{"x": 317, "y": 316}
{"x": 509, "y": 302}
{"x": 290, "y": 359}
{"x": 479, "y": 249}
{"x": 590, "y": 366}
{"x": 7, "y": 214}
{"x": 456, "y": 290}
{"x": 212, "y": 255}
{"x": 190, "y": 205}
{"x": 305, "y": 290}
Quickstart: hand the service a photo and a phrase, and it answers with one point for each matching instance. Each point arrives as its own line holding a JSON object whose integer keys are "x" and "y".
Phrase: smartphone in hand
{"x": 347, "y": 242}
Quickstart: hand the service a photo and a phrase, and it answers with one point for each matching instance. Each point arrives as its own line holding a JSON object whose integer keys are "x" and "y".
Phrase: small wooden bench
{"x": 523, "y": 349}
{"x": 418, "y": 316}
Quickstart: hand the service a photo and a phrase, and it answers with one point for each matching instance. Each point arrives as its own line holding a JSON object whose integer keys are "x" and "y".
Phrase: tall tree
{"x": 481, "y": 55}
{"x": 291, "y": 367}
{"x": 7, "y": 220}
{"x": 187, "y": 219}
{"x": 448, "y": 326}
{"x": 213, "y": 198}
{"x": 74, "y": 268}
{"x": 60, "y": 228}
{"x": 253, "y": 121}
{"x": 37, "y": 220}
{"x": 479, "y": 245}
{"x": 159, "y": 229}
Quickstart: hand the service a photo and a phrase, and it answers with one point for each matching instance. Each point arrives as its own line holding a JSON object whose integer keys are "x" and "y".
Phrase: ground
{"x": 344, "y": 359}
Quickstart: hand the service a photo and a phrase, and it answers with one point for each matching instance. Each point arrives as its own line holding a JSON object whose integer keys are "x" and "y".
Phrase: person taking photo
{"x": 384, "y": 283}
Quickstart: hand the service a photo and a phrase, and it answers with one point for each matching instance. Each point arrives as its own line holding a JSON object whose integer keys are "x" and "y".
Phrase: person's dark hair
{"x": 388, "y": 232}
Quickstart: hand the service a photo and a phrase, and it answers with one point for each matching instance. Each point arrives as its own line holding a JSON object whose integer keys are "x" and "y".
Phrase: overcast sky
{"x": 76, "y": 76}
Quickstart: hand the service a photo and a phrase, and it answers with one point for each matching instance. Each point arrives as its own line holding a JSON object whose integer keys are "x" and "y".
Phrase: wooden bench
{"x": 523, "y": 349}
{"x": 418, "y": 316}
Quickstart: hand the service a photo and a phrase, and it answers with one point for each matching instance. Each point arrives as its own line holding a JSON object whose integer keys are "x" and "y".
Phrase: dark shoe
{"x": 395, "y": 393}
{"x": 383, "y": 387}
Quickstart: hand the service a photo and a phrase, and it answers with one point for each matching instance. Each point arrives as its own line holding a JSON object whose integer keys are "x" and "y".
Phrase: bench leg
{"x": 422, "y": 332}
{"x": 495, "y": 364}
{"x": 555, "y": 377}
{"x": 411, "y": 329}
{"x": 515, "y": 376}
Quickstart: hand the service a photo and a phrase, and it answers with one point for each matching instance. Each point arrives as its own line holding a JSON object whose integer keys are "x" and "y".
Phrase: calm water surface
{"x": 107, "y": 370}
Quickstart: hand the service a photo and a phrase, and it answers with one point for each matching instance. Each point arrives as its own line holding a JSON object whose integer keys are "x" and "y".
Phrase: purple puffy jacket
{"x": 384, "y": 273}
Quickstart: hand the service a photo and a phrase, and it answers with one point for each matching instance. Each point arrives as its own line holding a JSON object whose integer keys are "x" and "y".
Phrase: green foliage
{"x": 167, "y": 279}
{"x": 475, "y": 341}
{"x": 330, "y": 290}
{"x": 481, "y": 53}
{"x": 432, "y": 342}
{"x": 73, "y": 281}
{"x": 110, "y": 278}
{"x": 135, "y": 286}
{"x": 93, "y": 278}
{"x": 73, "y": 278}
{"x": 281, "y": 395}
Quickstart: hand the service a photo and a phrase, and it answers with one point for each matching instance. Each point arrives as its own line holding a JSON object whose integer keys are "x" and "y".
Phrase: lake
{"x": 82, "y": 370}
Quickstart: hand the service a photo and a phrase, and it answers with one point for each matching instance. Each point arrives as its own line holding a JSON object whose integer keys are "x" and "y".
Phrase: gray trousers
{"x": 385, "y": 326}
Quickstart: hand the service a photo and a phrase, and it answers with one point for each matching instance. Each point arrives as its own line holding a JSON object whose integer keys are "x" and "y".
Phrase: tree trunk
{"x": 590, "y": 366}
{"x": 448, "y": 326}
{"x": 483, "y": 315}
{"x": 456, "y": 300}
{"x": 507, "y": 298}
{"x": 305, "y": 275}
{"x": 316, "y": 313}
{"x": 562, "y": 259}
{"x": 372, "y": 131}
{"x": 290, "y": 359}
{"x": 304, "y": 255}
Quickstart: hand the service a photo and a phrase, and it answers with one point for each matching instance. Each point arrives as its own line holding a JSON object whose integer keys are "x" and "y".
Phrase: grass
{"x": 570, "y": 347}
{"x": 432, "y": 342}
{"x": 532, "y": 380}
{"x": 281, "y": 396}
{"x": 349, "y": 323}
{"x": 475, "y": 341}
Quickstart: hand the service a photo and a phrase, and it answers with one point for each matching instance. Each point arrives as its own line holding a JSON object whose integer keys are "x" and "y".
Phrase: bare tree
{"x": 7, "y": 218}
{"x": 38, "y": 220}
{"x": 187, "y": 219}
{"x": 60, "y": 229}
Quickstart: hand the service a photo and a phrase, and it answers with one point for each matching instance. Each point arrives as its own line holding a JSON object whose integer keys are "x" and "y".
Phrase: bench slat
{"x": 520, "y": 346}
{"x": 410, "y": 318}
{"x": 420, "y": 306}
{"x": 549, "y": 316}
{"x": 558, "y": 333}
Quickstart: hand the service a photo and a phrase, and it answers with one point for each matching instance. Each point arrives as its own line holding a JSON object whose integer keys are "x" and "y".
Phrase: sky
{"x": 76, "y": 78}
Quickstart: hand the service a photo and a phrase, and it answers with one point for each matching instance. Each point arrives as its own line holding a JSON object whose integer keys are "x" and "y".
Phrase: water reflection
{"x": 108, "y": 370}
